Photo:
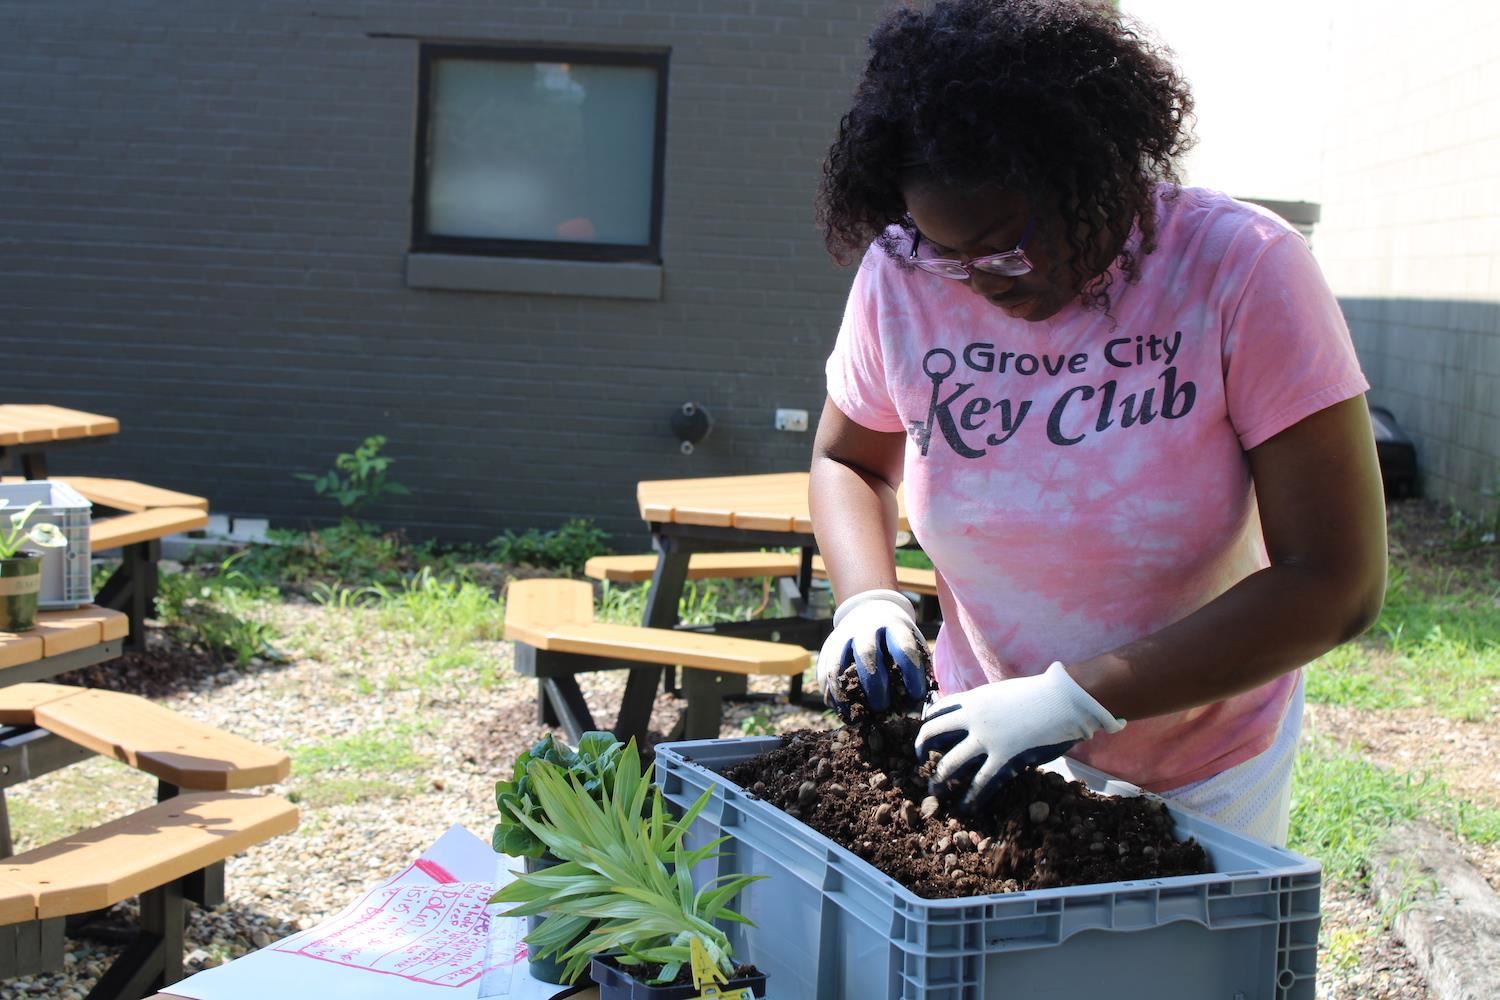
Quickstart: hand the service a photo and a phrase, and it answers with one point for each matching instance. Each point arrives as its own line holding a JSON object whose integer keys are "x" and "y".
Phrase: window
{"x": 544, "y": 153}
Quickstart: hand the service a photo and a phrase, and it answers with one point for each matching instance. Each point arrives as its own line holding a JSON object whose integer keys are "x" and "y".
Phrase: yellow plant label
{"x": 705, "y": 970}
{"x": 706, "y": 977}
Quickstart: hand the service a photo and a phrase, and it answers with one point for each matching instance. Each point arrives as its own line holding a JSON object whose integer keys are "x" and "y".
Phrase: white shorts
{"x": 1253, "y": 797}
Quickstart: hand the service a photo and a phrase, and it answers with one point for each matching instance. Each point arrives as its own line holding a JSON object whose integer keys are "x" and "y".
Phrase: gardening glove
{"x": 875, "y": 630}
{"x": 988, "y": 734}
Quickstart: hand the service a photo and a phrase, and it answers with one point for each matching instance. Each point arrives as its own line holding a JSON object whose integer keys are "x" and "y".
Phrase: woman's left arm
{"x": 1322, "y": 511}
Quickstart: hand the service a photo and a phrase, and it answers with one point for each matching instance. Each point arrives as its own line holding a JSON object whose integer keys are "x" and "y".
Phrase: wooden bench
{"x": 123, "y": 495}
{"x": 131, "y": 588}
{"x": 740, "y": 565}
{"x": 154, "y": 853}
{"x": 60, "y": 642}
{"x": 180, "y": 752}
{"x": 58, "y": 724}
{"x": 131, "y": 497}
{"x": 556, "y": 637}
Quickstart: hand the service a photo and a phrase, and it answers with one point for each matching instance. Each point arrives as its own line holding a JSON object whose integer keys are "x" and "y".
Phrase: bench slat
{"x": 110, "y": 624}
{"x": 123, "y": 494}
{"x": 530, "y": 603}
{"x": 18, "y": 702}
{"x": 58, "y": 632}
{"x": 701, "y": 566}
{"x": 918, "y": 581}
{"x": 127, "y": 529}
{"x": 737, "y": 565}
{"x": 558, "y": 616}
{"x": 126, "y": 857}
{"x": 17, "y": 902}
{"x": 161, "y": 742}
{"x": 17, "y": 648}
{"x": 671, "y": 647}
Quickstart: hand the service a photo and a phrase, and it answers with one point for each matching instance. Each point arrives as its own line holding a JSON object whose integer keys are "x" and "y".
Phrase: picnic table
{"x": 166, "y": 854}
{"x": 142, "y": 514}
{"x": 28, "y": 431}
{"x": 725, "y": 513}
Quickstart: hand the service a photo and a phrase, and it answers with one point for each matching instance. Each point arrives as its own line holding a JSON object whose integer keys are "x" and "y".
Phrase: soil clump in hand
{"x": 863, "y": 788}
{"x": 855, "y": 704}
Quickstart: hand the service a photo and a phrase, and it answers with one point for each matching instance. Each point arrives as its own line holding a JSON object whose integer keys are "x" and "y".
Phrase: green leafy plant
{"x": 593, "y": 765}
{"x": 759, "y": 723}
{"x": 566, "y": 548}
{"x": 357, "y": 478}
{"x": 45, "y": 535}
{"x": 626, "y": 871}
{"x": 217, "y": 612}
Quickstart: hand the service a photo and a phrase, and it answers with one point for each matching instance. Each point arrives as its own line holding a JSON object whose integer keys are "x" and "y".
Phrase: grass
{"x": 382, "y": 762}
{"x": 380, "y": 749}
{"x": 1435, "y": 646}
{"x": 320, "y": 792}
{"x": 1342, "y": 805}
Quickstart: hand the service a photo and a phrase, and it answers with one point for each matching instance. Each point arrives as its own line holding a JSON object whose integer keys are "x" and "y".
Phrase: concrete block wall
{"x": 1389, "y": 118}
{"x": 1410, "y": 235}
{"x": 205, "y": 216}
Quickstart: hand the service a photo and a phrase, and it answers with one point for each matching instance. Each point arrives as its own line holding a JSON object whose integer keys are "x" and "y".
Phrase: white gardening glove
{"x": 988, "y": 734}
{"x": 875, "y": 630}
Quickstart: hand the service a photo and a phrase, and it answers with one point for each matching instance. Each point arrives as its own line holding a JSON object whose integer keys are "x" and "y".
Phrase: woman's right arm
{"x": 852, "y": 495}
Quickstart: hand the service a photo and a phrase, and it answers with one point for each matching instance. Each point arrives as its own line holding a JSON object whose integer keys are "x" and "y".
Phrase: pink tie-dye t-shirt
{"x": 1082, "y": 482}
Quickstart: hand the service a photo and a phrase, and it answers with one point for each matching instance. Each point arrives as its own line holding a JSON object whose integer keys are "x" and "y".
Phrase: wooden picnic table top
{"x": 59, "y": 632}
{"x": 34, "y": 423}
{"x": 772, "y": 502}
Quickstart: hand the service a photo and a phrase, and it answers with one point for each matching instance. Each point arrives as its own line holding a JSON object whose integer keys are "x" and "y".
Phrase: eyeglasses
{"x": 1010, "y": 264}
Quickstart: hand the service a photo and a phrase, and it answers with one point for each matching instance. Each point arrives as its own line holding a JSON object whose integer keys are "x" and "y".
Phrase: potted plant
{"x": 593, "y": 764}
{"x": 21, "y": 570}
{"x": 626, "y": 872}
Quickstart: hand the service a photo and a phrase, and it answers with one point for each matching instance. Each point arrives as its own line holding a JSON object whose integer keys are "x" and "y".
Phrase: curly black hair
{"x": 1062, "y": 101}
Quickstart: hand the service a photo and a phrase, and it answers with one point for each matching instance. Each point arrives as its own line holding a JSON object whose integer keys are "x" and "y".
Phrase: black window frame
{"x": 423, "y": 241}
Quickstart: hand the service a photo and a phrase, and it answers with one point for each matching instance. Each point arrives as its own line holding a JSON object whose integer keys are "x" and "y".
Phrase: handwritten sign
{"x": 427, "y": 933}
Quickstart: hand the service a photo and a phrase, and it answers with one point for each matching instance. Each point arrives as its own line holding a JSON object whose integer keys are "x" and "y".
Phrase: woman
{"x": 1128, "y": 416}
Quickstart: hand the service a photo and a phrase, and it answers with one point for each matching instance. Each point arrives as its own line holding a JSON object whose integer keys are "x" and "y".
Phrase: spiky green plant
{"x": 625, "y": 870}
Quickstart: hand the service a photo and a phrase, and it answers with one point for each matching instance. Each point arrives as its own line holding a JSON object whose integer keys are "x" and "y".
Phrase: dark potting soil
{"x": 862, "y": 787}
{"x": 650, "y": 970}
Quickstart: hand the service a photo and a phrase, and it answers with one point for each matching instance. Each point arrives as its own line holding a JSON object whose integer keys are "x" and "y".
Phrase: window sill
{"x": 528, "y": 276}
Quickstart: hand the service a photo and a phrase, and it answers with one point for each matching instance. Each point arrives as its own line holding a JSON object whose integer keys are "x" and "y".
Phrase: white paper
{"x": 428, "y": 933}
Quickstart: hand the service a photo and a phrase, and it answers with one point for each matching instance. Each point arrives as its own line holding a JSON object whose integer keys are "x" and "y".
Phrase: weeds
{"x": 456, "y": 610}
{"x": 704, "y": 602}
{"x": 217, "y": 612}
{"x": 760, "y": 722}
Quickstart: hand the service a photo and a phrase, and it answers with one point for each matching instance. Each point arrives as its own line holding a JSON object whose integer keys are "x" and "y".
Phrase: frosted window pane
{"x": 541, "y": 151}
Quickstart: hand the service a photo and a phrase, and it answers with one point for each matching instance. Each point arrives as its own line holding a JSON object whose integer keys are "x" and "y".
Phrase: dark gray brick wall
{"x": 204, "y": 216}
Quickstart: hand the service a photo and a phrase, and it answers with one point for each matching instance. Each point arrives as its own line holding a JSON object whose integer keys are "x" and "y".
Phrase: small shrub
{"x": 358, "y": 478}
{"x": 566, "y": 548}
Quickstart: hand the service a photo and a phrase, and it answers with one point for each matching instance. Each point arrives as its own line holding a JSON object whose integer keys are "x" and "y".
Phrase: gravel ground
{"x": 384, "y": 764}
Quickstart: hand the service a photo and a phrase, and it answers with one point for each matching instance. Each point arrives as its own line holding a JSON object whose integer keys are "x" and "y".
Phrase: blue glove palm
{"x": 875, "y": 631}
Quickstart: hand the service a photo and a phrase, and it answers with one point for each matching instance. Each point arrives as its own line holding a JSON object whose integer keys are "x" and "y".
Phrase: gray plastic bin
{"x": 66, "y": 580}
{"x": 829, "y": 925}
